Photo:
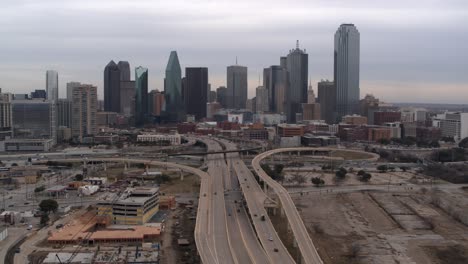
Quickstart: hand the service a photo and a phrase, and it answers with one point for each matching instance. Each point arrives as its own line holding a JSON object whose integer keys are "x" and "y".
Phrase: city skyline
{"x": 395, "y": 57}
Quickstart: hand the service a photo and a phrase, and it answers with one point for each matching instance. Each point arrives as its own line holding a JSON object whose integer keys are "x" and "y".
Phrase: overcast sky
{"x": 411, "y": 51}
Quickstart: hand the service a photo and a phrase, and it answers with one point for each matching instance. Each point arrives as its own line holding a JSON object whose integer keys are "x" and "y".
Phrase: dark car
{"x": 59, "y": 226}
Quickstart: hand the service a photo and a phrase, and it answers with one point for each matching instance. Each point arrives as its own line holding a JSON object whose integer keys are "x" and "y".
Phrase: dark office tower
{"x": 124, "y": 68}
{"x": 236, "y": 87}
{"x": 276, "y": 81}
{"x": 38, "y": 94}
{"x": 221, "y": 93}
{"x": 296, "y": 95}
{"x": 112, "y": 87}
{"x": 284, "y": 62}
{"x": 346, "y": 70}
{"x": 196, "y": 83}
{"x": 141, "y": 96}
{"x": 174, "y": 111}
{"x": 327, "y": 101}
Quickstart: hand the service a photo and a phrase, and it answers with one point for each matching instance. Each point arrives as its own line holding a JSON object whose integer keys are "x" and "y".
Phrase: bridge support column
{"x": 181, "y": 175}
{"x": 125, "y": 166}
{"x": 105, "y": 166}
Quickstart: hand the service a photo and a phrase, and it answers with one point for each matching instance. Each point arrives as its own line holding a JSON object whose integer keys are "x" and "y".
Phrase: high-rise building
{"x": 251, "y": 105}
{"x": 141, "y": 96}
{"x": 52, "y": 85}
{"x": 124, "y": 68}
{"x": 127, "y": 98}
{"x": 310, "y": 95}
{"x": 346, "y": 70}
{"x": 212, "y": 97}
{"x": 311, "y": 111}
{"x": 64, "y": 113}
{"x": 296, "y": 95}
{"x": 221, "y": 94}
{"x": 196, "y": 82}
{"x": 112, "y": 87}
{"x": 261, "y": 95}
{"x": 155, "y": 103}
{"x": 39, "y": 94}
{"x": 174, "y": 108}
{"x": 327, "y": 101}
{"x": 70, "y": 86}
{"x": 33, "y": 119}
{"x": 5, "y": 110}
{"x": 84, "y": 109}
{"x": 276, "y": 80}
{"x": 236, "y": 87}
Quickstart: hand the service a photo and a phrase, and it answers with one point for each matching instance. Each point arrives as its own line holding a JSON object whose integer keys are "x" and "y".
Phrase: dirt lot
{"x": 190, "y": 184}
{"x": 352, "y": 178}
{"x": 379, "y": 227}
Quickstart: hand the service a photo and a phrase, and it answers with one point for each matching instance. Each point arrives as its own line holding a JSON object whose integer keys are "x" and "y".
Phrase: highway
{"x": 306, "y": 246}
{"x": 235, "y": 238}
{"x": 255, "y": 198}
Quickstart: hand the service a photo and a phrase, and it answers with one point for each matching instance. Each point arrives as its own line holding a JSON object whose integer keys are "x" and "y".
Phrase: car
{"x": 26, "y": 203}
{"x": 275, "y": 250}
{"x": 270, "y": 239}
{"x": 59, "y": 226}
{"x": 11, "y": 205}
{"x": 17, "y": 250}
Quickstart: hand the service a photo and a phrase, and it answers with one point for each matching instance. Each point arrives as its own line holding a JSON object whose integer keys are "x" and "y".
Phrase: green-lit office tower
{"x": 174, "y": 110}
{"x": 141, "y": 96}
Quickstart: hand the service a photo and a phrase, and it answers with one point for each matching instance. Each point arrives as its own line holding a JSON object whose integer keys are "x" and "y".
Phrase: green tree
{"x": 404, "y": 168}
{"x": 382, "y": 168}
{"x": 341, "y": 173}
{"x": 39, "y": 189}
{"x": 365, "y": 177}
{"x": 278, "y": 168}
{"x": 463, "y": 143}
{"x": 79, "y": 177}
{"x": 300, "y": 179}
{"x": 48, "y": 205}
{"x": 361, "y": 172}
{"x": 317, "y": 181}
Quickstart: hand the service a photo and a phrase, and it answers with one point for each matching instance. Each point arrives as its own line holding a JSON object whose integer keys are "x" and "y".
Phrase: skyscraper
{"x": 174, "y": 111}
{"x": 52, "y": 85}
{"x": 127, "y": 98}
{"x": 298, "y": 66}
{"x": 84, "y": 109}
{"x": 327, "y": 101}
{"x": 124, "y": 68}
{"x": 141, "y": 96}
{"x": 70, "y": 86}
{"x": 112, "y": 87}
{"x": 64, "y": 113}
{"x": 276, "y": 80}
{"x": 221, "y": 96}
{"x": 310, "y": 95}
{"x": 236, "y": 86}
{"x": 346, "y": 70}
{"x": 196, "y": 83}
{"x": 261, "y": 101}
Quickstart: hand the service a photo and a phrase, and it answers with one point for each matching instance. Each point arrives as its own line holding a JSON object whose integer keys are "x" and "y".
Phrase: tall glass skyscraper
{"x": 236, "y": 87}
{"x": 174, "y": 111}
{"x": 141, "y": 96}
{"x": 196, "y": 88}
{"x": 276, "y": 81}
{"x": 298, "y": 66}
{"x": 124, "y": 68}
{"x": 346, "y": 70}
{"x": 112, "y": 87}
{"x": 52, "y": 85}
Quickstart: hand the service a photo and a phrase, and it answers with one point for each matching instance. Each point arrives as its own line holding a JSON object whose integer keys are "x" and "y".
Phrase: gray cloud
{"x": 420, "y": 45}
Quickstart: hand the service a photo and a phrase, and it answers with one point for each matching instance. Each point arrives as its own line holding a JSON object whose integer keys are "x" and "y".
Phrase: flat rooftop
{"x": 131, "y": 195}
{"x": 80, "y": 227}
